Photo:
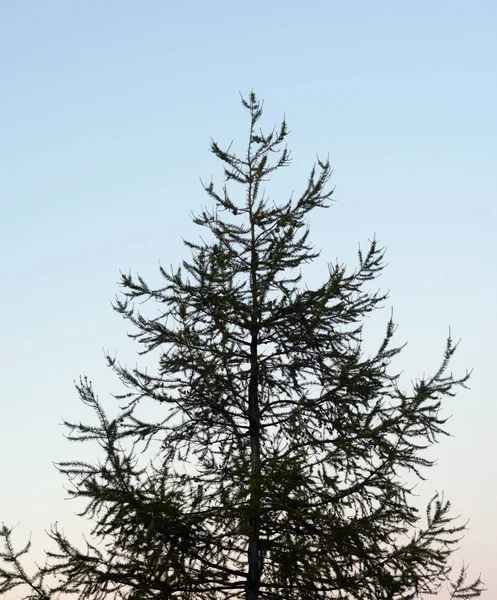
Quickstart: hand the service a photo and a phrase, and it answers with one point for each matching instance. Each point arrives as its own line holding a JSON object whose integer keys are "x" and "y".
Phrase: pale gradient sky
{"x": 107, "y": 109}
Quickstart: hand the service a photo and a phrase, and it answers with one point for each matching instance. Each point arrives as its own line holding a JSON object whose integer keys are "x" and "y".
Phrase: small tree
{"x": 282, "y": 455}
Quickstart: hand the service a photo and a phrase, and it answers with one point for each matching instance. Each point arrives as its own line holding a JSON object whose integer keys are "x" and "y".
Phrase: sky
{"x": 106, "y": 114}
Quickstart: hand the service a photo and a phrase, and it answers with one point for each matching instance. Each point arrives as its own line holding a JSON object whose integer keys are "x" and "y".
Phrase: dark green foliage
{"x": 280, "y": 464}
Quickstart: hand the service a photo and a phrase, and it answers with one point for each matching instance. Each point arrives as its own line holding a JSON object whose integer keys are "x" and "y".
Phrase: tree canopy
{"x": 279, "y": 467}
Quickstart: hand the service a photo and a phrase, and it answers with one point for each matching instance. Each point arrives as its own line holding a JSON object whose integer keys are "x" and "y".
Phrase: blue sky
{"x": 106, "y": 116}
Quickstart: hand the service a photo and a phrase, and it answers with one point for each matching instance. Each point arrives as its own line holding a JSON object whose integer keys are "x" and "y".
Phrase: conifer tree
{"x": 279, "y": 469}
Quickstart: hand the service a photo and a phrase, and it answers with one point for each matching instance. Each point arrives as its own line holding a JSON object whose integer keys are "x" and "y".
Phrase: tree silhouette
{"x": 280, "y": 463}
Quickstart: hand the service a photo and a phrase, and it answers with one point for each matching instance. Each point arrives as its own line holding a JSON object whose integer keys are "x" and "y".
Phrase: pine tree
{"x": 281, "y": 461}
